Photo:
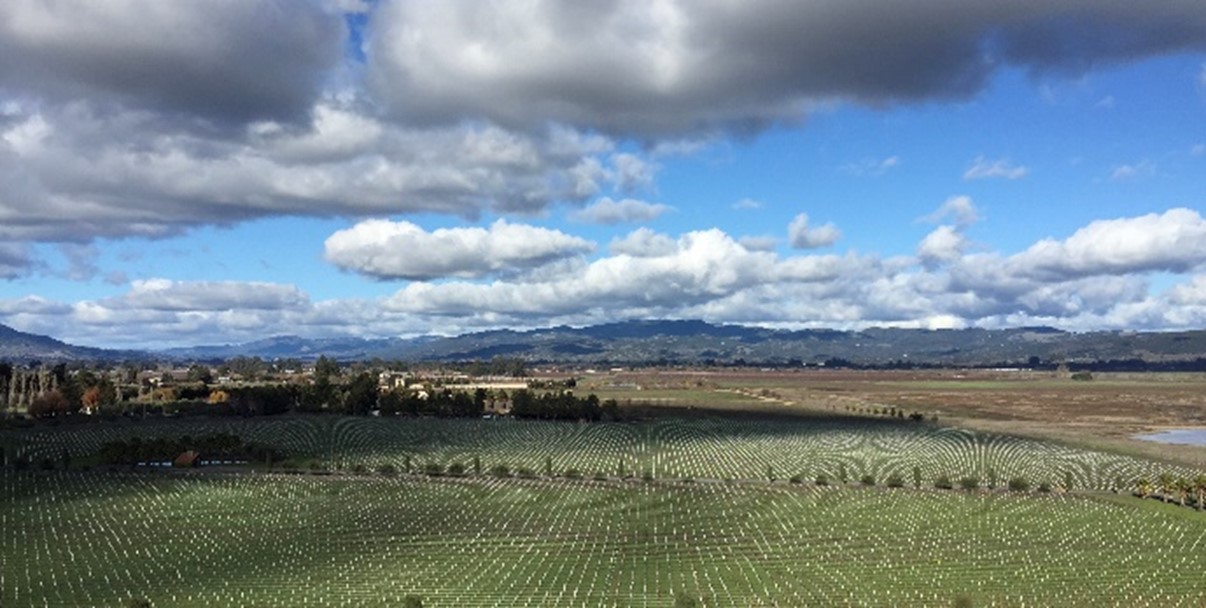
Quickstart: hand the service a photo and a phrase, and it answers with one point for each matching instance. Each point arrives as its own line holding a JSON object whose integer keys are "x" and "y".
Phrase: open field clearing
{"x": 91, "y": 538}
{"x": 696, "y": 448}
{"x": 1103, "y": 412}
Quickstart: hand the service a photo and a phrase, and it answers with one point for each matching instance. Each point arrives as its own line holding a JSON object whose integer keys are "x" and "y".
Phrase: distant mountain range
{"x": 647, "y": 342}
{"x": 20, "y": 346}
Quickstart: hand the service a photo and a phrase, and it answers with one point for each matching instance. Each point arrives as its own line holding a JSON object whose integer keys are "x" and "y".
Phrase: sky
{"x": 219, "y": 171}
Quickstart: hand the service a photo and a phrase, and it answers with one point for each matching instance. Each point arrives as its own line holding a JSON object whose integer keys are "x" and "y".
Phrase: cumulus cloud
{"x": 675, "y": 67}
{"x": 206, "y": 59}
{"x": 168, "y": 295}
{"x": 759, "y": 243}
{"x": 141, "y": 177}
{"x": 700, "y": 267}
{"x": 608, "y": 211}
{"x": 945, "y": 244}
{"x": 384, "y": 249}
{"x": 1173, "y": 241}
{"x": 15, "y": 260}
{"x": 982, "y": 168}
{"x": 803, "y": 236}
{"x": 1100, "y": 279}
{"x": 144, "y": 118}
{"x": 642, "y": 243}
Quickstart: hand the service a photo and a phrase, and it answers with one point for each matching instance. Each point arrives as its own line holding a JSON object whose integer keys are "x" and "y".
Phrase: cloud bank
{"x": 1097, "y": 277}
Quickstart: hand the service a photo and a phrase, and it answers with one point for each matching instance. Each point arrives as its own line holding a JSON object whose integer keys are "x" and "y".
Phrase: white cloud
{"x": 402, "y": 250}
{"x": 701, "y": 267}
{"x": 871, "y": 166}
{"x": 142, "y": 177}
{"x": 32, "y": 305}
{"x": 759, "y": 243}
{"x": 748, "y": 204}
{"x": 1138, "y": 170}
{"x": 642, "y": 243}
{"x": 177, "y": 296}
{"x": 944, "y": 245}
{"x": 633, "y": 172}
{"x": 1173, "y": 241}
{"x": 801, "y": 236}
{"x": 608, "y": 211}
{"x": 959, "y": 209}
{"x": 1097, "y": 278}
{"x": 982, "y": 168}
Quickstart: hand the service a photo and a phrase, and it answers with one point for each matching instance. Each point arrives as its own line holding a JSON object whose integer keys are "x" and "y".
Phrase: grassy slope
{"x": 90, "y": 539}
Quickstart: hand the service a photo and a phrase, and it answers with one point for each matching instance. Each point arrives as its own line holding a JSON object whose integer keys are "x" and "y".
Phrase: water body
{"x": 1178, "y": 436}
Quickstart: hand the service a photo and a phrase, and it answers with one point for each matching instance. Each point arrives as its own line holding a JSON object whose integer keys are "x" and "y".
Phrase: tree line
{"x": 215, "y": 447}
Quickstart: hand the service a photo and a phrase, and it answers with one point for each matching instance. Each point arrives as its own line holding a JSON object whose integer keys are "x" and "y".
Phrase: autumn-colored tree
{"x": 219, "y": 396}
{"x": 91, "y": 399}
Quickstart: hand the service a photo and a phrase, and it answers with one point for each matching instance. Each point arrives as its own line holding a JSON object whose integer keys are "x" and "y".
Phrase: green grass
{"x": 258, "y": 539}
{"x": 700, "y": 448}
{"x": 73, "y": 539}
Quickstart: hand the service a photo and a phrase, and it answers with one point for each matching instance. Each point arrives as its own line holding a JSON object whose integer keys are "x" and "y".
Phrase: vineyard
{"x": 709, "y": 448}
{"x": 676, "y": 530}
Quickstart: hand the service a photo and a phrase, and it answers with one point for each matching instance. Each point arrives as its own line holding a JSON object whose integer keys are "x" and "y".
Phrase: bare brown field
{"x": 1102, "y": 413}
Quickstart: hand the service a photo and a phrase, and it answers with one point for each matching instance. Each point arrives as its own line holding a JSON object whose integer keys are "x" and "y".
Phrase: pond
{"x": 1178, "y": 436}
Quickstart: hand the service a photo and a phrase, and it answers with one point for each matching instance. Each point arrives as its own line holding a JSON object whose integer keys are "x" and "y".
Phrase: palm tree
{"x": 1199, "y": 486}
{"x": 1167, "y": 484}
{"x": 1144, "y": 485}
{"x": 1183, "y": 489}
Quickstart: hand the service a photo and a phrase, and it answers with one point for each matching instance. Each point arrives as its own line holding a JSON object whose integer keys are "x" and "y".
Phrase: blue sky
{"x": 399, "y": 168}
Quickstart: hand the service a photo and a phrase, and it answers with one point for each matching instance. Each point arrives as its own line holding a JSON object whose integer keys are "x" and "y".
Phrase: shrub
{"x": 433, "y": 469}
{"x": 868, "y": 480}
{"x": 456, "y": 469}
{"x": 969, "y": 483}
{"x": 895, "y": 481}
{"x": 500, "y": 470}
{"x": 388, "y": 470}
{"x": 795, "y": 479}
{"x": 1018, "y": 484}
{"x": 525, "y": 473}
{"x": 573, "y": 474}
{"x": 822, "y": 479}
{"x": 1044, "y": 487}
{"x": 943, "y": 483}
